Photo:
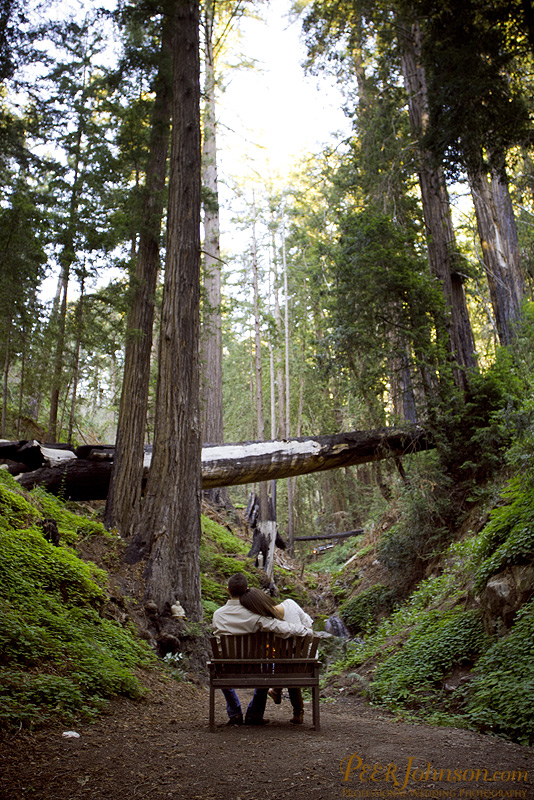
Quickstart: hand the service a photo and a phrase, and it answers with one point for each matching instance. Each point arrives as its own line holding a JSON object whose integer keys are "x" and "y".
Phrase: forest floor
{"x": 161, "y": 747}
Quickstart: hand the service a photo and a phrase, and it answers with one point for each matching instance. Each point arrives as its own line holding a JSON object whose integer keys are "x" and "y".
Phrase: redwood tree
{"x": 123, "y": 502}
{"x": 171, "y": 513}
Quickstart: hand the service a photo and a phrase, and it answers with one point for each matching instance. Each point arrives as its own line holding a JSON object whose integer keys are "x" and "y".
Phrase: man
{"x": 233, "y": 618}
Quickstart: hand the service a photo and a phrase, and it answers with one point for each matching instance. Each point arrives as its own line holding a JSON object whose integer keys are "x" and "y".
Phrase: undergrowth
{"x": 439, "y": 628}
{"x": 222, "y": 553}
{"x": 499, "y": 697}
{"x": 360, "y": 612}
{"x": 441, "y": 640}
{"x": 508, "y": 538}
{"x": 58, "y": 655}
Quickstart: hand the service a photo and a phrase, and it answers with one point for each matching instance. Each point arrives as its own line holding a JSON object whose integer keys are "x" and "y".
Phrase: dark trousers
{"x": 256, "y": 707}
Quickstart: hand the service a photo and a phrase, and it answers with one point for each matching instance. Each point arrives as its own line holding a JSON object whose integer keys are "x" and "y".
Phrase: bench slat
{"x": 264, "y": 660}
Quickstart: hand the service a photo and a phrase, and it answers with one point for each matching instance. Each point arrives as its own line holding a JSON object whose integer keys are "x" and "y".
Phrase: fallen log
{"x": 34, "y": 454}
{"x": 344, "y": 535}
{"x": 78, "y": 479}
{"x": 233, "y": 464}
{"x": 247, "y": 462}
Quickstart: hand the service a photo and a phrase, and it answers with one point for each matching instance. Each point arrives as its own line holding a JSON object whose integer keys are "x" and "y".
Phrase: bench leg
{"x": 315, "y": 707}
{"x": 212, "y": 709}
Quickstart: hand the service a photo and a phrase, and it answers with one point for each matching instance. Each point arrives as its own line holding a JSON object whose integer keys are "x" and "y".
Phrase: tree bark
{"x": 500, "y": 249}
{"x": 230, "y": 464}
{"x": 171, "y": 511}
{"x": 290, "y": 482}
{"x": 5, "y": 383}
{"x": 260, "y": 417}
{"x": 211, "y": 330}
{"x": 66, "y": 260}
{"x": 262, "y": 461}
{"x": 79, "y": 479}
{"x": 123, "y": 500}
{"x": 440, "y": 236}
{"x": 212, "y": 406}
{"x": 77, "y": 352}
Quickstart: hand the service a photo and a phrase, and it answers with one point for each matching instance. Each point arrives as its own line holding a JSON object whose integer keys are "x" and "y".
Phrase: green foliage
{"x": 441, "y": 641}
{"x": 381, "y": 285}
{"x": 360, "y": 612}
{"x": 477, "y": 99}
{"x": 508, "y": 538}
{"x": 432, "y": 633}
{"x": 426, "y": 517}
{"x": 19, "y": 508}
{"x": 224, "y": 566}
{"x": 58, "y": 654}
{"x": 333, "y": 559}
{"x": 473, "y": 432}
{"x": 30, "y": 564}
{"x": 14, "y": 507}
{"x": 28, "y": 698}
{"x": 443, "y": 591}
{"x": 498, "y": 698}
{"x": 216, "y": 543}
{"x": 213, "y": 593}
{"x": 221, "y": 538}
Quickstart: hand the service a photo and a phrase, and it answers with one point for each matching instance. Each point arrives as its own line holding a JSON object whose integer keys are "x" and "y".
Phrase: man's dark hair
{"x": 237, "y": 584}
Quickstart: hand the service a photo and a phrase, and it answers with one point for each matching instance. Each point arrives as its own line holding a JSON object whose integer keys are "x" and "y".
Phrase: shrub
{"x": 360, "y": 613}
{"x": 424, "y": 526}
{"x": 220, "y": 538}
{"x": 441, "y": 641}
{"x": 508, "y": 537}
{"x": 15, "y": 510}
{"x": 58, "y": 655}
{"x": 499, "y": 697}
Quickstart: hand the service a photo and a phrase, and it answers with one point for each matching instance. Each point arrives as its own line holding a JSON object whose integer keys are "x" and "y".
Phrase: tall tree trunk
{"x": 276, "y": 430}
{"x": 22, "y": 378}
{"x": 171, "y": 512}
{"x": 58, "y": 357}
{"x": 124, "y": 498}
{"x": 260, "y": 417}
{"x": 211, "y": 331}
{"x": 5, "y": 387}
{"x": 278, "y": 425}
{"x": 76, "y": 371}
{"x": 287, "y": 431}
{"x": 212, "y": 407}
{"x": 436, "y": 209}
{"x": 66, "y": 260}
{"x": 500, "y": 248}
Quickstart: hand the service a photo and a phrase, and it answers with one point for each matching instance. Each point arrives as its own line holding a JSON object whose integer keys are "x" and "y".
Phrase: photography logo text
{"x": 363, "y": 780}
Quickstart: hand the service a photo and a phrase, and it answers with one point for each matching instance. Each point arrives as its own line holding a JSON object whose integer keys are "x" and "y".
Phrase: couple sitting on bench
{"x": 250, "y": 610}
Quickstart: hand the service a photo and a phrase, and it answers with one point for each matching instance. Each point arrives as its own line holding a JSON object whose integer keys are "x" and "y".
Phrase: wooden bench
{"x": 263, "y": 660}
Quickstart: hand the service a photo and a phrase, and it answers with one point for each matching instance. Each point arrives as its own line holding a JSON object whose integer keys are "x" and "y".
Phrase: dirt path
{"x": 161, "y": 748}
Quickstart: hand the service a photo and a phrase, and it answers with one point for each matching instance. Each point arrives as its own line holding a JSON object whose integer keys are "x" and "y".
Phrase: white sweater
{"x": 233, "y": 618}
{"x": 294, "y": 614}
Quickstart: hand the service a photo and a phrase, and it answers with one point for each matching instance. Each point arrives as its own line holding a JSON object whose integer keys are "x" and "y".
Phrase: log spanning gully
{"x": 83, "y": 473}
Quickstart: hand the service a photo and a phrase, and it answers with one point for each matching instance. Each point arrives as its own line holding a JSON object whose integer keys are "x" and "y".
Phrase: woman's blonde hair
{"x": 260, "y": 603}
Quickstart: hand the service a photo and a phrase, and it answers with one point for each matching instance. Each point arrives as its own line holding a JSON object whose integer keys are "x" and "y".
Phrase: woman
{"x": 260, "y": 603}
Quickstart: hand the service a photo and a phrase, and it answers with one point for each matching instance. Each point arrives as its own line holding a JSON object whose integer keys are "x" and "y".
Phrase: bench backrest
{"x": 265, "y": 652}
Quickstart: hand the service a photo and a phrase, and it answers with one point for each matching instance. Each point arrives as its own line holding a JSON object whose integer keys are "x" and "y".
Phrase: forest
{"x": 382, "y": 291}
